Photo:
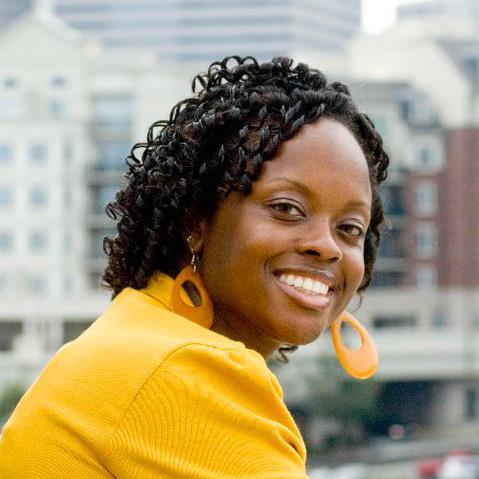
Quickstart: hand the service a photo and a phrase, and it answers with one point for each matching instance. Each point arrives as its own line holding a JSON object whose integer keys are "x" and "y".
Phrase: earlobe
{"x": 195, "y": 237}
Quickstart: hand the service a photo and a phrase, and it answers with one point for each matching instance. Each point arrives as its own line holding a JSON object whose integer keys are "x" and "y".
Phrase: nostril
{"x": 312, "y": 252}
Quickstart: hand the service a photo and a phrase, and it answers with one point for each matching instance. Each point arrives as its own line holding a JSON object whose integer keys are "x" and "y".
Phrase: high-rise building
{"x": 440, "y": 8}
{"x": 205, "y": 30}
{"x": 10, "y": 10}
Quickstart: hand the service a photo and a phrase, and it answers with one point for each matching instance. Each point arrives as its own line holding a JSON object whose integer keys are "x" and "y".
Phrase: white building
{"x": 437, "y": 55}
{"x": 68, "y": 118}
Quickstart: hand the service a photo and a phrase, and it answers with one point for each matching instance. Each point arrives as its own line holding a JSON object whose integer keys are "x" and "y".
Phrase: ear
{"x": 197, "y": 235}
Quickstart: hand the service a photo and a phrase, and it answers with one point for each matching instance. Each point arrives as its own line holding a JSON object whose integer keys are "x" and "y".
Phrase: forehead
{"x": 321, "y": 153}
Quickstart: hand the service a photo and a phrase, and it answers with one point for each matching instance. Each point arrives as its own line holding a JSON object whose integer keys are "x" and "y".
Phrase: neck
{"x": 236, "y": 329}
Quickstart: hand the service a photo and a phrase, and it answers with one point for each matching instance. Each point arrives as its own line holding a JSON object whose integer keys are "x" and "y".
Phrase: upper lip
{"x": 323, "y": 275}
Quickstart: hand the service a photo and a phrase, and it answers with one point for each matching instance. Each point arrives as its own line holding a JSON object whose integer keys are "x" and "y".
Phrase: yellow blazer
{"x": 146, "y": 393}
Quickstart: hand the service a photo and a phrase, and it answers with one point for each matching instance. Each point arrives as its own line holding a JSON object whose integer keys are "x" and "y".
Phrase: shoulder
{"x": 222, "y": 399}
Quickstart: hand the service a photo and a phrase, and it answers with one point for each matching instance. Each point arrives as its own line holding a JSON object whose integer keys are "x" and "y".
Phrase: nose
{"x": 319, "y": 240}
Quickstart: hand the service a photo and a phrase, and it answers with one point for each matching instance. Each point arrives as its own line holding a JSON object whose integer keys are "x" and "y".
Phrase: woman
{"x": 250, "y": 219}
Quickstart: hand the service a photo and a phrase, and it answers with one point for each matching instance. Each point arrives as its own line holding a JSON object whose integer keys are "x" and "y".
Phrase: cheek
{"x": 236, "y": 251}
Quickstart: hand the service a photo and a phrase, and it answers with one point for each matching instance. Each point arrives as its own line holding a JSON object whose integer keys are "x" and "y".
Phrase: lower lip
{"x": 317, "y": 302}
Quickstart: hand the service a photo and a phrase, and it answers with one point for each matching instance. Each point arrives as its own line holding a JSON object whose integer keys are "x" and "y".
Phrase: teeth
{"x": 298, "y": 282}
{"x": 307, "y": 284}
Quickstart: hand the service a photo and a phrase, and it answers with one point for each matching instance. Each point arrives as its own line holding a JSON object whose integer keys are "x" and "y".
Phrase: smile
{"x": 307, "y": 292}
{"x": 307, "y": 284}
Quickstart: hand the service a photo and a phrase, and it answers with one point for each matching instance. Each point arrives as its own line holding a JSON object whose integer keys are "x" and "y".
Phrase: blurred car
{"x": 428, "y": 467}
{"x": 459, "y": 467}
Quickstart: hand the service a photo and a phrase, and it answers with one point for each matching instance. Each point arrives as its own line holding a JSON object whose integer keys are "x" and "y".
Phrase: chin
{"x": 303, "y": 336}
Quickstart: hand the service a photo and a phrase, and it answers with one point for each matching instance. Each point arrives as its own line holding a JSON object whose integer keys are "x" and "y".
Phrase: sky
{"x": 377, "y": 15}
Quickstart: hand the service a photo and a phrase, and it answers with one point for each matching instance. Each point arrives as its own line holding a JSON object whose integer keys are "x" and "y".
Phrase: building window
{"x": 426, "y": 159}
{"x": 37, "y": 283}
{"x": 38, "y": 153}
{"x": 73, "y": 329}
{"x": 38, "y": 197}
{"x": 58, "y": 82}
{"x": 439, "y": 319}
{"x": 392, "y": 244}
{"x": 104, "y": 194}
{"x": 426, "y": 198}
{"x": 426, "y": 240}
{"x": 392, "y": 198}
{"x": 113, "y": 114}
{"x": 387, "y": 279}
{"x": 426, "y": 276}
{"x": 471, "y": 404}
{"x": 6, "y": 242}
{"x": 9, "y": 331}
{"x": 9, "y": 83}
{"x": 38, "y": 241}
{"x": 112, "y": 155}
{"x": 67, "y": 151}
{"x": 394, "y": 322}
{"x": 6, "y": 153}
{"x": 58, "y": 107}
{"x": 5, "y": 197}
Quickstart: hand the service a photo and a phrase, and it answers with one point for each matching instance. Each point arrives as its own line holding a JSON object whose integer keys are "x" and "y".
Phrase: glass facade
{"x": 205, "y": 30}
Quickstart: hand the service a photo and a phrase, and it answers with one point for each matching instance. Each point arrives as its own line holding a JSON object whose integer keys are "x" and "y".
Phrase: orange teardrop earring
{"x": 361, "y": 363}
{"x": 201, "y": 314}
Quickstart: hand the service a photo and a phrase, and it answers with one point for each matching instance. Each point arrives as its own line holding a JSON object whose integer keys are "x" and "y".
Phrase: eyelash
{"x": 277, "y": 205}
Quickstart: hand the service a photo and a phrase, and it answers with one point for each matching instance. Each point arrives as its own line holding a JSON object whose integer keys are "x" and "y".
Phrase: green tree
{"x": 353, "y": 404}
{"x": 9, "y": 398}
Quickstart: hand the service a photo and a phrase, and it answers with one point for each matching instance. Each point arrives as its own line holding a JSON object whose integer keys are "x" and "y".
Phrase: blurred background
{"x": 81, "y": 81}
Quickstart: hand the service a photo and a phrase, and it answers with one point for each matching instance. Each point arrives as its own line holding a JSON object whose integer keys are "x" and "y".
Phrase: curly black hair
{"x": 214, "y": 143}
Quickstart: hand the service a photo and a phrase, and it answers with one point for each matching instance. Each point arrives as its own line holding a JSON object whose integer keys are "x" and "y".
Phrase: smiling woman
{"x": 249, "y": 220}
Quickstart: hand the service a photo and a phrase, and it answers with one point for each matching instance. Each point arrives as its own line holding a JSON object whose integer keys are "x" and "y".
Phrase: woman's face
{"x": 281, "y": 263}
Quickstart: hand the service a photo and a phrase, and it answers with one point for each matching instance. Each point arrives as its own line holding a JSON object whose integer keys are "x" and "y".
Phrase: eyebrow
{"x": 305, "y": 189}
{"x": 298, "y": 184}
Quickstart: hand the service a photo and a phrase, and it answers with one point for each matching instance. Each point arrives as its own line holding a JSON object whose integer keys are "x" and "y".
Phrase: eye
{"x": 287, "y": 208}
{"x": 354, "y": 230}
